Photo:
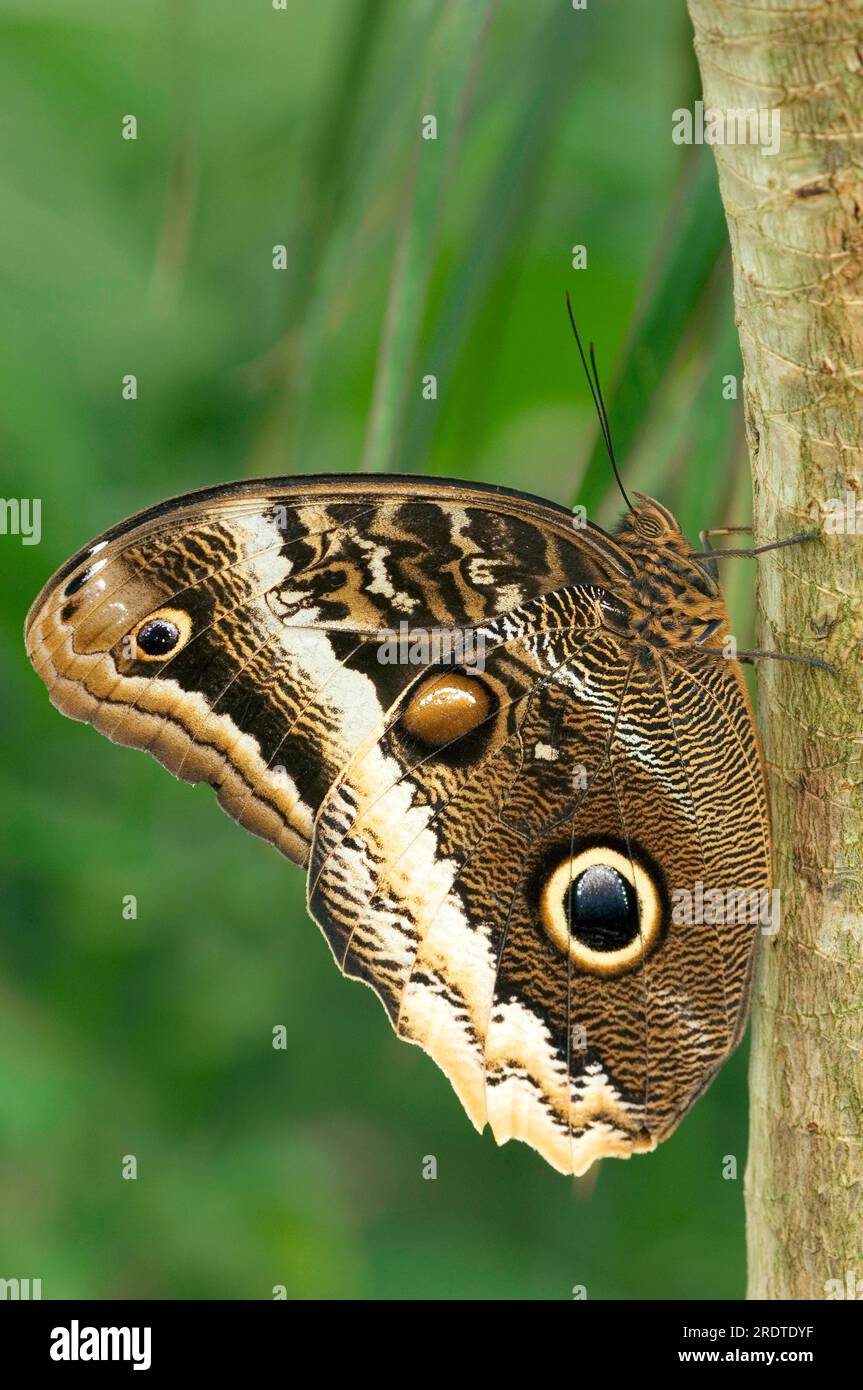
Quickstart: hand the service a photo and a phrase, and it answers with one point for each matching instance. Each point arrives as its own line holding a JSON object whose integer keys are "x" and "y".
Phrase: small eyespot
{"x": 449, "y": 716}
{"x": 161, "y": 634}
{"x": 447, "y": 707}
{"x": 158, "y": 637}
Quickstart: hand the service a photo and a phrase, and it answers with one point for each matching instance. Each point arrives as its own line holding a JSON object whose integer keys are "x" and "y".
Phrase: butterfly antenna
{"x": 599, "y": 403}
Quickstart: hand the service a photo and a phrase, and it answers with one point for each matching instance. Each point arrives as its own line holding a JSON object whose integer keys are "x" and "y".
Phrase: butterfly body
{"x": 496, "y": 842}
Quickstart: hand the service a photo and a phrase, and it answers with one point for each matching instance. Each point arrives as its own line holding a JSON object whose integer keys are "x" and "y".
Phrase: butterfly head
{"x": 677, "y": 602}
{"x": 649, "y": 523}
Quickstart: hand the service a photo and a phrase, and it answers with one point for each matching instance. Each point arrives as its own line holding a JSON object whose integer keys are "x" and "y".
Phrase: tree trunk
{"x": 795, "y": 219}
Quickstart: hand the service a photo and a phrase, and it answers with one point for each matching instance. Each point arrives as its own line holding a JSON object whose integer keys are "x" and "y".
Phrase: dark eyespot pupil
{"x": 602, "y": 909}
{"x": 158, "y": 637}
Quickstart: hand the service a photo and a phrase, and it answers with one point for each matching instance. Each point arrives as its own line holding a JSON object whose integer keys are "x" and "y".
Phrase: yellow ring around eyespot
{"x": 554, "y": 918}
{"x": 182, "y": 622}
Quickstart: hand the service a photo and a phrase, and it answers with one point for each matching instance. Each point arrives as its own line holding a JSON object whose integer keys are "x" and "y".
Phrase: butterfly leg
{"x": 704, "y": 536}
{"x": 753, "y": 656}
{"x": 752, "y": 550}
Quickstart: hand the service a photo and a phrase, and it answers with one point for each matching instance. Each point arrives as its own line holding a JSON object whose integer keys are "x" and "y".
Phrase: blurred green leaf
{"x": 454, "y": 55}
{"x": 505, "y": 207}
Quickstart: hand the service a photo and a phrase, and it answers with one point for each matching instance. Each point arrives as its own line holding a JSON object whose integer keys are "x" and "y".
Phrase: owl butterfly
{"x": 495, "y": 833}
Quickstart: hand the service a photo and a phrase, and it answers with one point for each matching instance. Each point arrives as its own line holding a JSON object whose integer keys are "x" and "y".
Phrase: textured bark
{"x": 796, "y": 226}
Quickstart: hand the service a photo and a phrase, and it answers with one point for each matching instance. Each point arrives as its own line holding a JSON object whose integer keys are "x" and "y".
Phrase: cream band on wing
{"x": 603, "y": 909}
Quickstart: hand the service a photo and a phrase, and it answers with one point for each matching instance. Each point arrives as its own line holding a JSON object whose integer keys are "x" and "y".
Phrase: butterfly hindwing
{"x": 444, "y": 881}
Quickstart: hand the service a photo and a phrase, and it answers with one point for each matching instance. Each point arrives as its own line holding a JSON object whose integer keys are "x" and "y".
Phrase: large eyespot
{"x": 162, "y": 634}
{"x": 603, "y": 909}
{"x": 447, "y": 706}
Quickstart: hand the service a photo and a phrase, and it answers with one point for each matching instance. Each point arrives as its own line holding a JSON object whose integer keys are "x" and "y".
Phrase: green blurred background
{"x": 259, "y": 127}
